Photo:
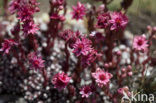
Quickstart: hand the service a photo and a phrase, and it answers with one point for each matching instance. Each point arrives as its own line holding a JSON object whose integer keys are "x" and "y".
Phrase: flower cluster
{"x": 83, "y": 48}
{"x": 124, "y": 90}
{"x": 90, "y": 57}
{"x": 57, "y": 2}
{"x": 126, "y": 72}
{"x": 60, "y": 80}
{"x": 113, "y": 21}
{"x": 67, "y": 35}
{"x": 59, "y": 5}
{"x": 57, "y": 17}
{"x": 29, "y": 28}
{"x": 103, "y": 20}
{"x": 25, "y": 10}
{"x": 7, "y": 45}
{"x": 91, "y": 61}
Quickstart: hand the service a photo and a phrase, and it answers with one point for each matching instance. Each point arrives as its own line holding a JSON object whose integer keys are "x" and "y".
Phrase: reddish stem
{"x": 67, "y": 57}
{"x": 44, "y": 73}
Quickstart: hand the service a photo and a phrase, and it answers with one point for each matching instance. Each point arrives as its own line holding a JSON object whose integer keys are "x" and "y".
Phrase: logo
{"x": 138, "y": 97}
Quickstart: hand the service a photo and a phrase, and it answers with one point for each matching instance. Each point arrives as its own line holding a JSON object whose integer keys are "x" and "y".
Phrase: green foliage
{"x": 137, "y": 6}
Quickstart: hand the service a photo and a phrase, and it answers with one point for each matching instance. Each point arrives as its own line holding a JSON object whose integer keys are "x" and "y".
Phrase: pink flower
{"x": 140, "y": 43}
{"x": 58, "y": 17}
{"x": 78, "y": 11}
{"x": 13, "y": 6}
{"x": 124, "y": 90}
{"x": 73, "y": 38}
{"x": 36, "y": 61}
{"x": 82, "y": 46}
{"x": 57, "y": 2}
{"x": 90, "y": 58}
{"x": 60, "y": 80}
{"x": 103, "y": 20}
{"x": 97, "y": 36}
{"x": 86, "y": 91}
{"x": 30, "y": 28}
{"x": 6, "y": 46}
{"x": 118, "y": 21}
{"x": 24, "y": 13}
{"x": 102, "y": 78}
{"x": 25, "y": 10}
{"x": 66, "y": 34}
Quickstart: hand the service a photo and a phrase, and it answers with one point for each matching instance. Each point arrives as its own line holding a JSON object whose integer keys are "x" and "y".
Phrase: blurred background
{"x": 141, "y": 13}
